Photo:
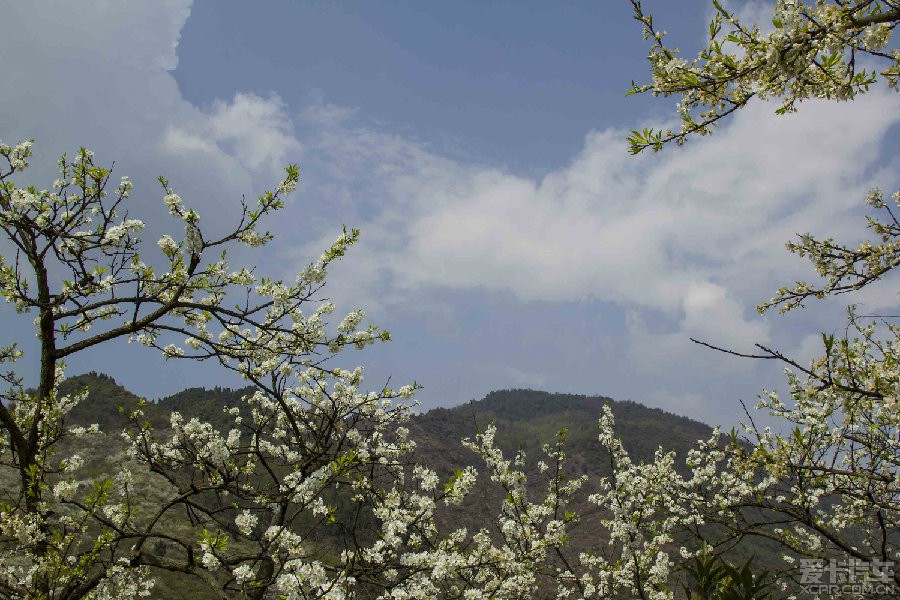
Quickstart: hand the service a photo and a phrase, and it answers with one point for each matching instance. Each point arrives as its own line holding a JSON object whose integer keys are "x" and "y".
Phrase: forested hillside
{"x": 525, "y": 420}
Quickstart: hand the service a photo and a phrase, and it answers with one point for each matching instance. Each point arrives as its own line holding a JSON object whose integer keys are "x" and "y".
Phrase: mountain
{"x": 108, "y": 404}
{"x": 206, "y": 405}
{"x": 528, "y": 419}
{"x": 525, "y": 420}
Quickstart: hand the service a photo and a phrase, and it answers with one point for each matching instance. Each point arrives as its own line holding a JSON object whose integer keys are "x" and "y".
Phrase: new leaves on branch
{"x": 829, "y": 485}
{"x": 831, "y": 50}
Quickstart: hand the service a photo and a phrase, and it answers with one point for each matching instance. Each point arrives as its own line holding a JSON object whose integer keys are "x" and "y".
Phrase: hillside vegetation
{"x": 525, "y": 420}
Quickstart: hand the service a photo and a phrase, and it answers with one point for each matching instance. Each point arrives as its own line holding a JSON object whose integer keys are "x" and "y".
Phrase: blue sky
{"x": 509, "y": 240}
{"x": 514, "y": 83}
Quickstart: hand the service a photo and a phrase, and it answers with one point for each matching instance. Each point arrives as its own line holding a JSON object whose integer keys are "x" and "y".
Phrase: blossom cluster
{"x": 819, "y": 49}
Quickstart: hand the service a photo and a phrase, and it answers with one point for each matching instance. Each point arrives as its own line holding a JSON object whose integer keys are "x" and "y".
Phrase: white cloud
{"x": 810, "y": 348}
{"x": 140, "y": 34}
{"x": 255, "y": 131}
{"x": 655, "y": 350}
{"x": 685, "y": 242}
{"x": 697, "y": 232}
{"x": 98, "y": 74}
{"x": 527, "y": 379}
{"x": 104, "y": 82}
{"x": 687, "y": 404}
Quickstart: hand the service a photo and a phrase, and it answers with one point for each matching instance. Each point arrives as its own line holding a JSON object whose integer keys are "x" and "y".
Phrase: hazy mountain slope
{"x": 206, "y": 405}
{"x": 525, "y": 420}
{"x": 528, "y": 419}
{"x": 103, "y": 403}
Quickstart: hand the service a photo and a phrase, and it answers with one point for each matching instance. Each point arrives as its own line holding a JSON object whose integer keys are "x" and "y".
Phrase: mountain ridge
{"x": 525, "y": 421}
{"x": 526, "y": 418}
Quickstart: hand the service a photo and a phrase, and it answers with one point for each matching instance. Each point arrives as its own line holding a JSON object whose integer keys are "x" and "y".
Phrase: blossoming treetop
{"x": 237, "y": 511}
{"x": 831, "y": 50}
